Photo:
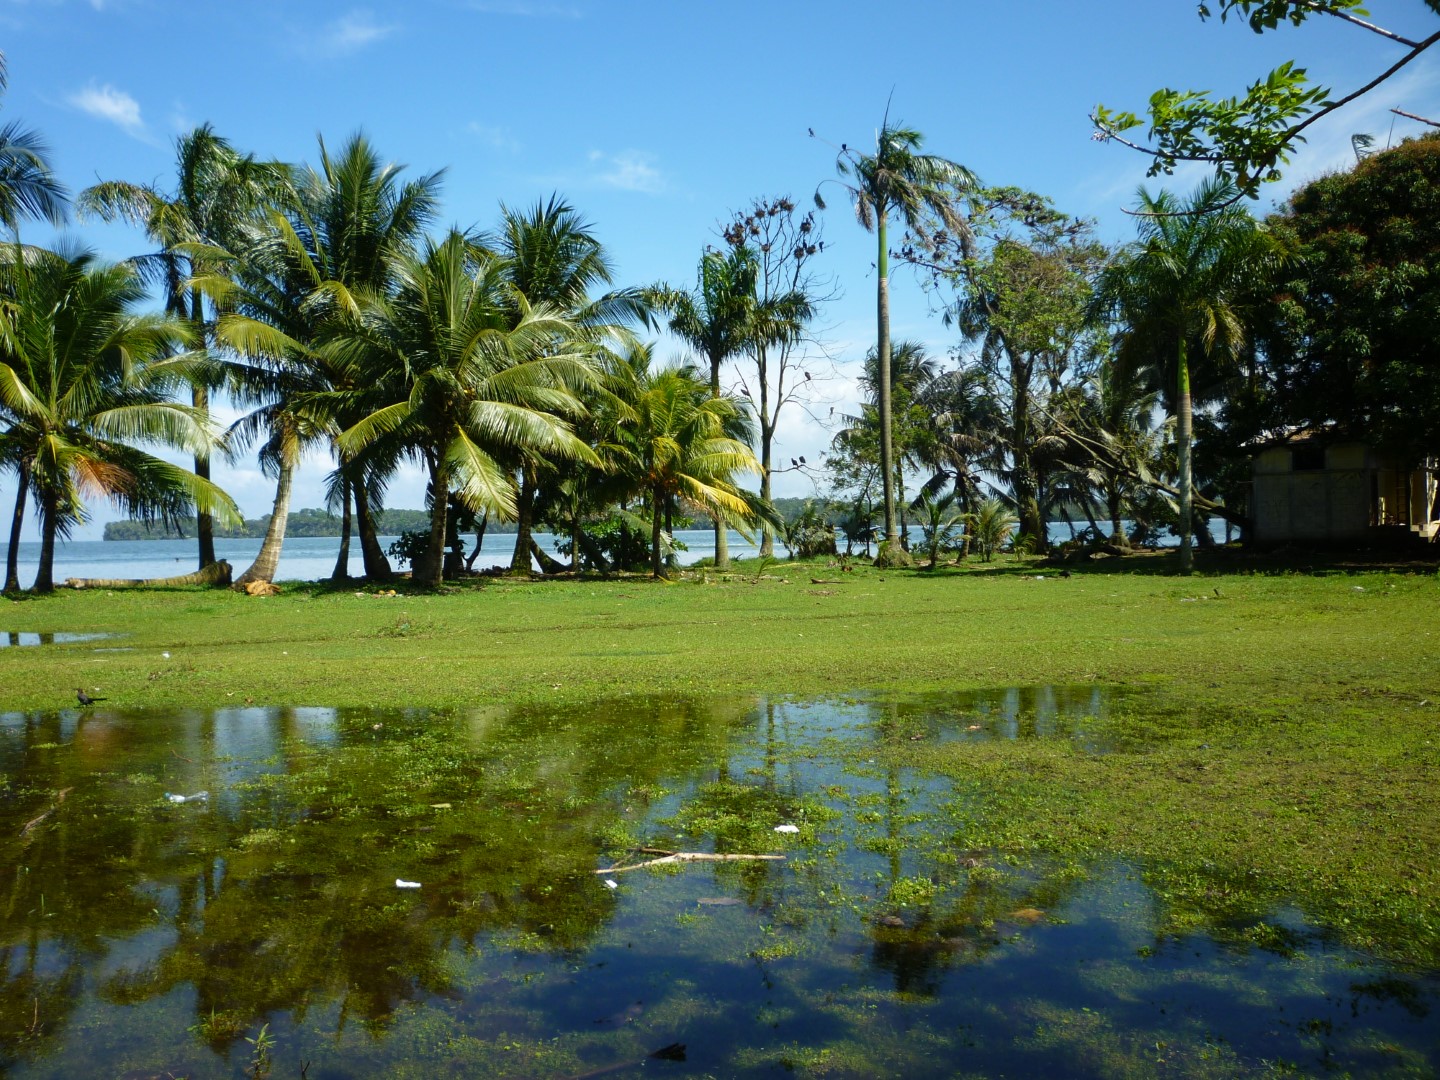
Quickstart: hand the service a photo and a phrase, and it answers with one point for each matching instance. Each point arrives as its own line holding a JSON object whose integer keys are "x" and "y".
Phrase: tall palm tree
{"x": 312, "y": 265}
{"x": 28, "y": 187}
{"x": 552, "y": 259}
{"x": 897, "y": 179}
{"x": 352, "y": 220}
{"x": 686, "y": 447}
{"x": 217, "y": 192}
{"x": 83, "y": 380}
{"x": 716, "y": 320}
{"x": 1177, "y": 287}
{"x": 478, "y": 386}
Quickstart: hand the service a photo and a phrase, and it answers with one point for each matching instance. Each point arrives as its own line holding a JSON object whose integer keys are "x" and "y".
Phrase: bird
{"x": 84, "y": 698}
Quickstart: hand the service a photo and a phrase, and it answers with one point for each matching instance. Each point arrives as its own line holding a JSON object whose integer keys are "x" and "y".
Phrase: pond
{"x": 414, "y": 894}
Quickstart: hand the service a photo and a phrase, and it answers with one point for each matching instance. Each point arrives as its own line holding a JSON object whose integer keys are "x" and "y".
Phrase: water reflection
{"x": 9, "y": 638}
{"x": 140, "y": 934}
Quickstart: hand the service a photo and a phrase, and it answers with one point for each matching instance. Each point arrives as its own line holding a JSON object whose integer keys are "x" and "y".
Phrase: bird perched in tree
{"x": 84, "y": 698}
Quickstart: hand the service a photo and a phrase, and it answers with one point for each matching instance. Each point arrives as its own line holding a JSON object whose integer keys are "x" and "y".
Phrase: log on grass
{"x": 216, "y": 573}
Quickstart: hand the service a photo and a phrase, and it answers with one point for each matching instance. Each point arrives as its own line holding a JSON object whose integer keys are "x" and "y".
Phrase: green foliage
{"x": 1349, "y": 327}
{"x": 990, "y": 526}
{"x": 810, "y": 533}
{"x": 1248, "y": 137}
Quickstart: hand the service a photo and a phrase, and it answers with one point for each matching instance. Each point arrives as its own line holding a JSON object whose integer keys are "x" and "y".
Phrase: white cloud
{"x": 629, "y": 170}
{"x": 527, "y": 9}
{"x": 107, "y": 103}
{"x": 497, "y": 138}
{"x": 353, "y": 32}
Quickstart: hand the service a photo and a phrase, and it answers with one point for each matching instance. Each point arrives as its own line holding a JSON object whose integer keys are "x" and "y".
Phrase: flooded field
{"x": 305, "y": 892}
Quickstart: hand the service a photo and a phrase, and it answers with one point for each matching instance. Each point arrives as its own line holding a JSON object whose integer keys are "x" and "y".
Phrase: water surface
{"x": 142, "y": 937}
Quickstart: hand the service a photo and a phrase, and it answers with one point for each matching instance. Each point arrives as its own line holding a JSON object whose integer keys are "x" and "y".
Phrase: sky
{"x": 657, "y": 121}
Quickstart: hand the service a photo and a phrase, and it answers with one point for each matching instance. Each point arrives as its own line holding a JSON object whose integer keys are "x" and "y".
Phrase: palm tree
{"x": 217, "y": 191}
{"x": 82, "y": 380}
{"x": 351, "y": 221}
{"x": 28, "y": 188}
{"x": 1179, "y": 286}
{"x": 480, "y": 380}
{"x": 312, "y": 264}
{"x": 897, "y": 179}
{"x": 686, "y": 448}
{"x": 715, "y": 320}
{"x": 552, "y": 259}
{"x": 990, "y": 525}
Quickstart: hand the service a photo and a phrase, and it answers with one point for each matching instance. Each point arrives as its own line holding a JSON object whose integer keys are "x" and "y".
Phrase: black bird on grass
{"x": 84, "y": 698}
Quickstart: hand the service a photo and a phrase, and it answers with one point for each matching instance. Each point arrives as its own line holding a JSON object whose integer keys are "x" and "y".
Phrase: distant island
{"x": 300, "y": 523}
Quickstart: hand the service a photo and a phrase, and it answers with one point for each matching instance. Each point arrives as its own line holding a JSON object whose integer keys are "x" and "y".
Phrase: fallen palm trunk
{"x": 216, "y": 573}
{"x": 688, "y": 856}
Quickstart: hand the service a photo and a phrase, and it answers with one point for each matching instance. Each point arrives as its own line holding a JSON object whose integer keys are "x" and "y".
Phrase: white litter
{"x": 611, "y": 883}
{"x": 787, "y": 828}
{"x": 401, "y": 883}
{"x": 199, "y": 796}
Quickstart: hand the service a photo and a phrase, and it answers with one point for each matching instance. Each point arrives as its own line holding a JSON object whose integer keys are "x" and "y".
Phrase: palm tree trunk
{"x": 882, "y": 355}
{"x": 1117, "y": 525}
{"x": 1183, "y": 422}
{"x": 434, "y": 568}
{"x": 524, "y": 520}
{"x": 12, "y": 556}
{"x": 204, "y": 523}
{"x": 49, "y": 525}
{"x": 268, "y": 561}
{"x": 377, "y": 567}
{"x": 722, "y": 531}
{"x": 657, "y": 568}
{"x": 342, "y": 560}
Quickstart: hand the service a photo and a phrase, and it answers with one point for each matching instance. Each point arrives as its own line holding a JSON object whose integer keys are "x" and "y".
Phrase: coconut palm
{"x": 351, "y": 220}
{"x": 715, "y": 320}
{"x": 686, "y": 446}
{"x": 1178, "y": 287}
{"x": 990, "y": 524}
{"x": 480, "y": 380}
{"x": 217, "y": 191}
{"x": 28, "y": 188}
{"x": 553, "y": 260}
{"x": 897, "y": 179}
{"x": 310, "y": 265}
{"x": 83, "y": 380}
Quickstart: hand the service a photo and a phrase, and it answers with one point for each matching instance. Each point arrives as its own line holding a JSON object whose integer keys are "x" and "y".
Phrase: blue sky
{"x": 656, "y": 120}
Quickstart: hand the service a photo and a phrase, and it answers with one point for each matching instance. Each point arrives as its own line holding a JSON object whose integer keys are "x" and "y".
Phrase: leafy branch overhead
{"x": 1249, "y": 137}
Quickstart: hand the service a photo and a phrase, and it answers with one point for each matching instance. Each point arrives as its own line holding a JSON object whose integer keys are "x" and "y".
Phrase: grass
{"x": 1270, "y": 643}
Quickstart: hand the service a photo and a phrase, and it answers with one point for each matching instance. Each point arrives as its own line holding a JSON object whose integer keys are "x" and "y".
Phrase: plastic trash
{"x": 401, "y": 883}
{"x": 199, "y": 796}
{"x": 611, "y": 883}
{"x": 787, "y": 828}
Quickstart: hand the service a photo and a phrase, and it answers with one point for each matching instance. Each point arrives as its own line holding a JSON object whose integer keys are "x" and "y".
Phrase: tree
{"x": 1247, "y": 138}
{"x": 477, "y": 386}
{"x": 1348, "y": 341}
{"x": 787, "y": 295}
{"x": 715, "y": 320}
{"x": 28, "y": 188}
{"x": 896, "y": 179}
{"x": 1178, "y": 289}
{"x": 83, "y": 379}
{"x": 686, "y": 447}
{"x": 1025, "y": 298}
{"x": 553, "y": 260}
{"x": 217, "y": 192}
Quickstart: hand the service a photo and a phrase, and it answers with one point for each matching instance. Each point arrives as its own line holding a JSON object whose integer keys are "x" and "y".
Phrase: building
{"x": 1308, "y": 489}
